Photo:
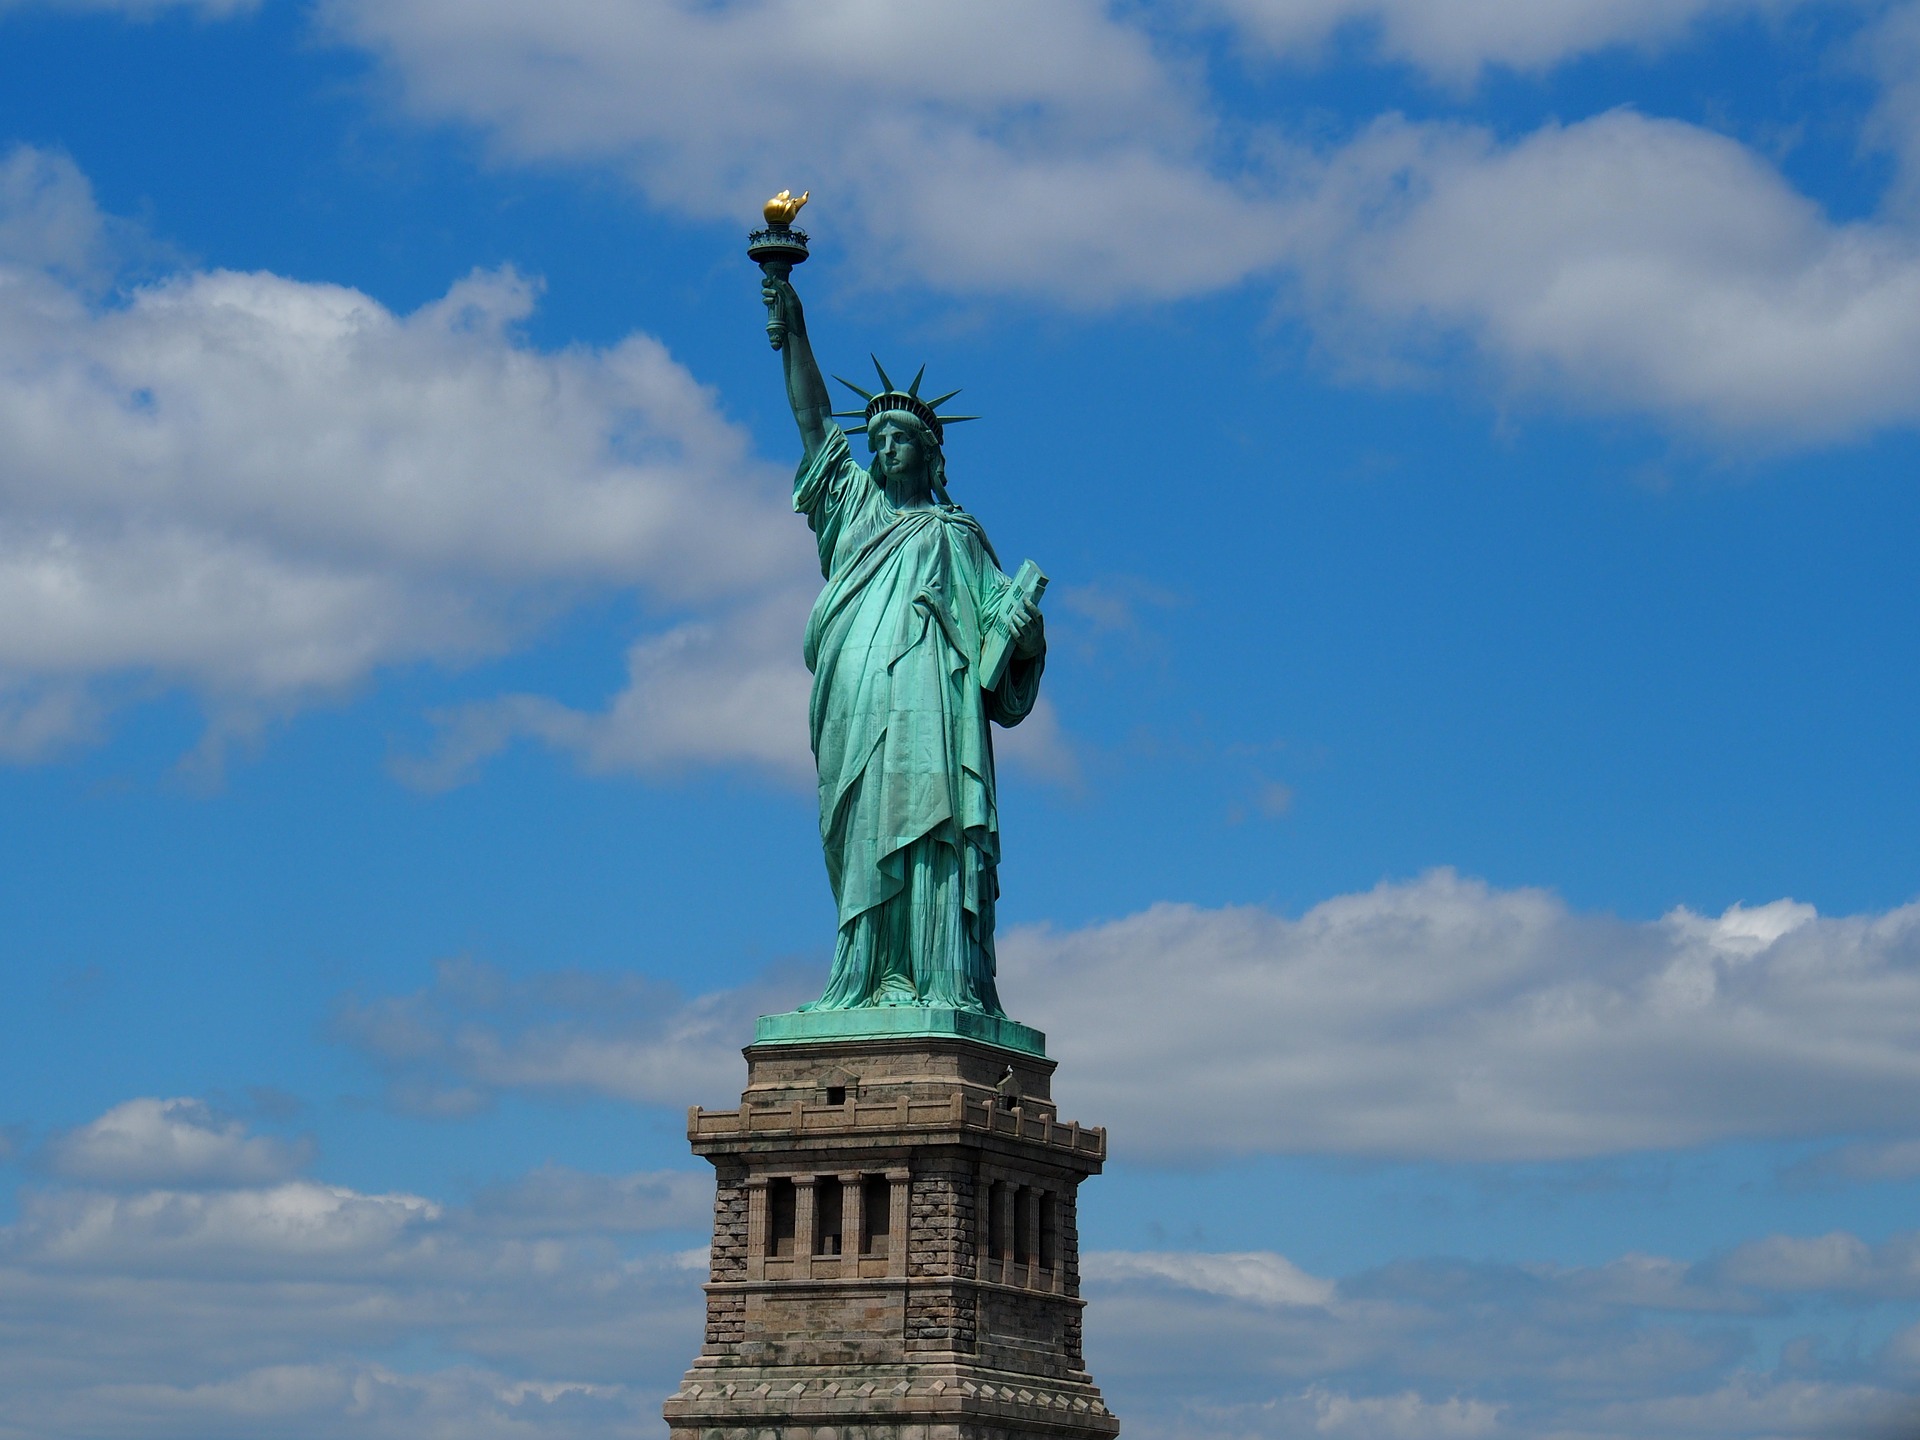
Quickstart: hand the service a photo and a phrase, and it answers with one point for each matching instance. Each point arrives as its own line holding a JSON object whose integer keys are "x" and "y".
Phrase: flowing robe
{"x": 899, "y": 721}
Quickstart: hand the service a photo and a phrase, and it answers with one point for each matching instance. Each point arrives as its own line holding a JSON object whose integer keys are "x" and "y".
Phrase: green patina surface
{"x": 918, "y": 642}
{"x": 882, "y": 1021}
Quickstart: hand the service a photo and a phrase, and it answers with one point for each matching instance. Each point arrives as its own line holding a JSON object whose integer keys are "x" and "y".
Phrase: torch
{"x": 779, "y": 248}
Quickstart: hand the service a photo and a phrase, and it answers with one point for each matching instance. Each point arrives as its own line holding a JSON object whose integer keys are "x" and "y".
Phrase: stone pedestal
{"x": 895, "y": 1251}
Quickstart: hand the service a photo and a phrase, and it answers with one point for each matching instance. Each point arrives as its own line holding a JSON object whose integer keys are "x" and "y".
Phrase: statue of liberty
{"x": 918, "y": 640}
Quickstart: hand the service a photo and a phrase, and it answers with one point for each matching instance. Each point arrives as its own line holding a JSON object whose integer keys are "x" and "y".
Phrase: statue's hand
{"x": 783, "y": 307}
{"x": 1029, "y": 630}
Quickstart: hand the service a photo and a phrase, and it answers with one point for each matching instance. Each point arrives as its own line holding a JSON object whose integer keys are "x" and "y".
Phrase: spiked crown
{"x": 907, "y": 401}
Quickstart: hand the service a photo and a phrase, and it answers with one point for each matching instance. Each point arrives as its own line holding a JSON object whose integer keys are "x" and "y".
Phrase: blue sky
{"x": 1466, "y": 856}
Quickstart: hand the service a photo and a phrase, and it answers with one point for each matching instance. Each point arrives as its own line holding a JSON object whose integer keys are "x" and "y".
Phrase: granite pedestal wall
{"x": 895, "y": 1249}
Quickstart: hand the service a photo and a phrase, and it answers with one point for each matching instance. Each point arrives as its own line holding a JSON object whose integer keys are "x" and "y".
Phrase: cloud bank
{"x": 265, "y": 490}
{"x": 1639, "y": 1346}
{"x": 1457, "y": 41}
{"x": 1444, "y": 1019}
{"x": 175, "y": 1142}
{"x": 241, "y": 1309}
{"x": 1618, "y": 262}
{"x": 1435, "y": 1019}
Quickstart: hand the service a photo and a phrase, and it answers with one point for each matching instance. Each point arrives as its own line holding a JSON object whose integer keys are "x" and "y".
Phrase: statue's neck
{"x": 908, "y": 493}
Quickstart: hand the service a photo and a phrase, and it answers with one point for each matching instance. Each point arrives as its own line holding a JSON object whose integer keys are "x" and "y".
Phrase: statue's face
{"x": 903, "y": 457}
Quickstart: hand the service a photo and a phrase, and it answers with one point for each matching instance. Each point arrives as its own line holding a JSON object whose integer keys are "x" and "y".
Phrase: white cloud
{"x": 1430, "y": 1347}
{"x": 1836, "y": 1263}
{"x": 1456, "y": 41}
{"x": 931, "y": 144}
{"x": 294, "y": 1225}
{"x": 265, "y": 489}
{"x": 1259, "y": 1276}
{"x": 138, "y": 9}
{"x": 202, "y": 1315}
{"x": 729, "y": 687}
{"x": 370, "y": 1400}
{"x": 1390, "y": 1417}
{"x": 1620, "y": 262}
{"x": 1434, "y": 1019}
{"x": 1625, "y": 263}
{"x": 1441, "y": 1018}
{"x": 447, "y": 1049}
{"x": 214, "y": 1314}
{"x": 171, "y": 1142}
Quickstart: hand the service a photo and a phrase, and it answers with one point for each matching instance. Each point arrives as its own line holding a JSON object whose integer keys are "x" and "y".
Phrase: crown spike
{"x": 936, "y": 404}
{"x": 863, "y": 394}
{"x": 885, "y": 384}
{"x": 956, "y": 419}
{"x": 914, "y": 388}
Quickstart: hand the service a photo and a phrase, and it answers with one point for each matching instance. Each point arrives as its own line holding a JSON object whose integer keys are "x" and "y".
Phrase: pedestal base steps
{"x": 895, "y": 1251}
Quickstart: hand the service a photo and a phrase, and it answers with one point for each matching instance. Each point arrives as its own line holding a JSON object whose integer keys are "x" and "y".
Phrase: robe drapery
{"x": 899, "y": 720}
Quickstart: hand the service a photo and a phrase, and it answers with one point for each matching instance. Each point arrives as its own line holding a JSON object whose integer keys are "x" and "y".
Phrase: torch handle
{"x": 776, "y": 328}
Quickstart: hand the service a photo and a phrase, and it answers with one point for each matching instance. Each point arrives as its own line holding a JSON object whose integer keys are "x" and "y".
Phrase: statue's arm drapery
{"x": 1018, "y": 692}
{"x": 827, "y": 488}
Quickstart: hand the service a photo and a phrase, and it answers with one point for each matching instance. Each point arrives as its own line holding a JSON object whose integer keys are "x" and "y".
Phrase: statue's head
{"x": 907, "y": 458}
{"x": 899, "y": 423}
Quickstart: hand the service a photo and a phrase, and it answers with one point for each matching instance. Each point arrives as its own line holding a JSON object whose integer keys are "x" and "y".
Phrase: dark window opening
{"x": 781, "y": 1213}
{"x": 836, "y": 1094}
{"x": 876, "y": 1214}
{"x": 1023, "y": 1199}
{"x": 1049, "y": 1230}
{"x": 1009, "y": 1102}
{"x": 826, "y": 1216}
{"x": 996, "y": 1213}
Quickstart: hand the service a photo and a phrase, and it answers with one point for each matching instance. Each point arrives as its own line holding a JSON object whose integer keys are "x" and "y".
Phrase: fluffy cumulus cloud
{"x": 950, "y": 151}
{"x": 557, "y": 1304}
{"x": 1634, "y": 1348}
{"x": 726, "y": 688}
{"x": 1622, "y": 262}
{"x": 177, "y": 1142}
{"x": 1458, "y": 40}
{"x": 1434, "y": 1019}
{"x": 1626, "y": 262}
{"x": 1445, "y": 1019}
{"x": 265, "y": 489}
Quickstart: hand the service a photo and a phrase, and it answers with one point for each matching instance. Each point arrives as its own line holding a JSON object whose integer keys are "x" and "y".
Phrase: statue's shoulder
{"x": 966, "y": 528}
{"x": 961, "y": 519}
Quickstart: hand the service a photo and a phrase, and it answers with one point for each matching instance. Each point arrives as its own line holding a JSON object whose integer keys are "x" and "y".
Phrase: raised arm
{"x": 806, "y": 388}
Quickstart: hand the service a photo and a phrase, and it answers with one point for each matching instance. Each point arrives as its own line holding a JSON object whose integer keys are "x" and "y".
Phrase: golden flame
{"x": 781, "y": 209}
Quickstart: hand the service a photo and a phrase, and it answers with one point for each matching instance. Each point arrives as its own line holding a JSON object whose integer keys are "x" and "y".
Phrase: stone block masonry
{"x": 895, "y": 1249}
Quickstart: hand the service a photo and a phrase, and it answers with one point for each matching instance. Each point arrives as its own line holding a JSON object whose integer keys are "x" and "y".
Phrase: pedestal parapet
{"x": 896, "y": 1249}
